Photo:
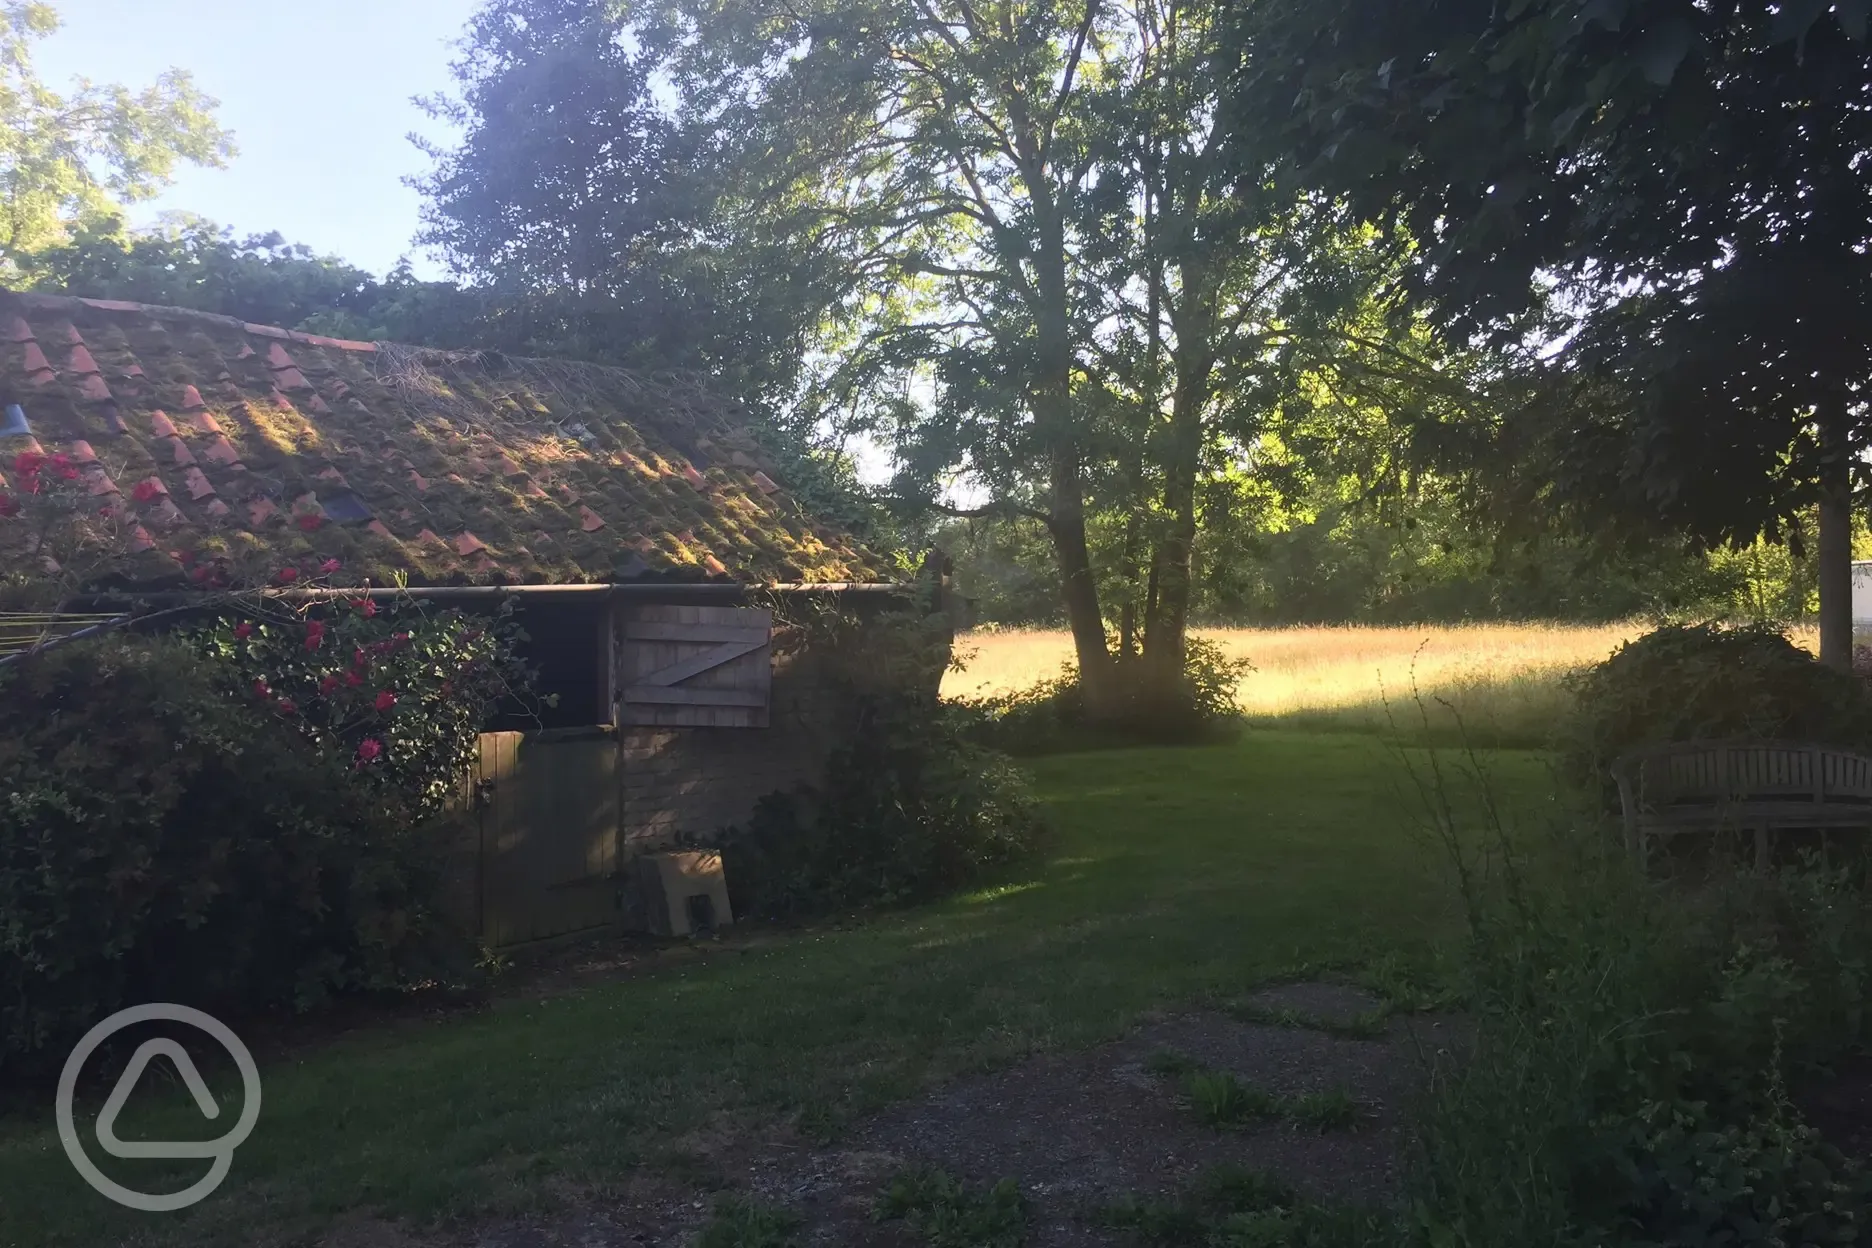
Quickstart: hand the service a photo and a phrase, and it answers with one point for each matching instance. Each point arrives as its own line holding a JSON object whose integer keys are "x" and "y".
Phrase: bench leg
{"x": 1763, "y": 860}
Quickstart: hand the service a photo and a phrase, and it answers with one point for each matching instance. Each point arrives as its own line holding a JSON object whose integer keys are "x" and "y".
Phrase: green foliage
{"x": 950, "y": 1214}
{"x": 738, "y": 1223}
{"x": 74, "y": 158}
{"x": 1706, "y": 681}
{"x": 1220, "y": 1099}
{"x": 909, "y": 809}
{"x": 1052, "y": 715}
{"x": 397, "y": 692}
{"x": 1230, "y": 1207}
{"x": 1627, "y": 1083}
{"x": 191, "y": 263}
{"x": 160, "y": 840}
{"x": 1525, "y": 149}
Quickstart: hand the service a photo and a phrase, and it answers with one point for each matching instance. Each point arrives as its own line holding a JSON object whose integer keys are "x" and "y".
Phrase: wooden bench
{"x": 1741, "y": 786}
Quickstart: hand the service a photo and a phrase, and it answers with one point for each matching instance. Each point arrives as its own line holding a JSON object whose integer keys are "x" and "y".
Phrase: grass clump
{"x": 1234, "y": 1207}
{"x": 1222, "y": 1100}
{"x": 950, "y": 1214}
{"x": 740, "y": 1223}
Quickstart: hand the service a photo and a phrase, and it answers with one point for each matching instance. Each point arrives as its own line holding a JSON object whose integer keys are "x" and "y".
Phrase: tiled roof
{"x": 249, "y": 448}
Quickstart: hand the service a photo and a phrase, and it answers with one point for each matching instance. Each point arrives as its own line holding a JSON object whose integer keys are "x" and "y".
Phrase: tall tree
{"x": 578, "y": 202}
{"x": 75, "y": 158}
{"x": 1679, "y": 191}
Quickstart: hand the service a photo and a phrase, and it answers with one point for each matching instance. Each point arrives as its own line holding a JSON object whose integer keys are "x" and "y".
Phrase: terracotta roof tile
{"x": 544, "y": 472}
{"x": 82, "y": 454}
{"x": 140, "y": 540}
{"x": 93, "y": 387}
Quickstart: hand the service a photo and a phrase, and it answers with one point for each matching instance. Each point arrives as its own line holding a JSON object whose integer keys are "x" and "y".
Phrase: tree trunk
{"x": 1166, "y": 632}
{"x": 1835, "y": 554}
{"x": 1054, "y": 421}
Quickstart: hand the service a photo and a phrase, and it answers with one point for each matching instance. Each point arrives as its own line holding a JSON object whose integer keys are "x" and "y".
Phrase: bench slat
{"x": 1742, "y": 785}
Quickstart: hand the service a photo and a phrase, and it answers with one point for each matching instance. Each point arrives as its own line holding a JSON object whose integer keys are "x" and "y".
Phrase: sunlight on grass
{"x": 1502, "y": 680}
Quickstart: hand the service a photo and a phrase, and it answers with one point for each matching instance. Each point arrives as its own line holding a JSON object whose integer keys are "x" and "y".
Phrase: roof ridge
{"x": 46, "y": 301}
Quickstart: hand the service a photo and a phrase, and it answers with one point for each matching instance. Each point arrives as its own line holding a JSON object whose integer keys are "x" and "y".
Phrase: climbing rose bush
{"x": 397, "y": 691}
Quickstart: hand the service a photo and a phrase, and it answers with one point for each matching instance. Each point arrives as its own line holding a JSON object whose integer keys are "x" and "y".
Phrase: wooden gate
{"x": 550, "y": 828}
{"x": 701, "y": 667}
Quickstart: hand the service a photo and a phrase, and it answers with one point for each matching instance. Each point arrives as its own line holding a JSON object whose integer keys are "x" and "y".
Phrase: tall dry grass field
{"x": 1501, "y": 680}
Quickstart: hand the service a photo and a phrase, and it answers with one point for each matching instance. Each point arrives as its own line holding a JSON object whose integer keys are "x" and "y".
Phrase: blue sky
{"x": 317, "y": 93}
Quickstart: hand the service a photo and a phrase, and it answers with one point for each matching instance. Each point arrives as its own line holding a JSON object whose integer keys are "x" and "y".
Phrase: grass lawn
{"x": 1177, "y": 876}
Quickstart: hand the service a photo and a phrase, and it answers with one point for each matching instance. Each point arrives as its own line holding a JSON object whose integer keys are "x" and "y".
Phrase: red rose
{"x": 401, "y": 639}
{"x": 144, "y": 491}
{"x": 287, "y": 576}
{"x": 243, "y": 630}
{"x": 261, "y": 690}
{"x": 385, "y": 700}
{"x": 26, "y": 463}
{"x": 9, "y": 507}
{"x": 329, "y": 566}
{"x": 354, "y": 678}
{"x": 369, "y": 750}
{"x": 327, "y": 685}
{"x": 315, "y": 634}
{"x": 359, "y": 659}
{"x": 366, "y": 607}
{"x": 310, "y": 521}
{"x": 286, "y": 706}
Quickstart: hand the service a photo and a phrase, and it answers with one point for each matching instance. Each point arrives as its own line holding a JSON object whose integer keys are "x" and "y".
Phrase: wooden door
{"x": 701, "y": 667}
{"x": 550, "y": 815}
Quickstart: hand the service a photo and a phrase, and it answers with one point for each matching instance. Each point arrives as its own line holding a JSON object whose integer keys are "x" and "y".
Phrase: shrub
{"x": 161, "y": 841}
{"x": 1627, "y": 1082}
{"x": 396, "y": 692}
{"x": 1705, "y": 681}
{"x": 908, "y": 810}
{"x": 1052, "y": 715}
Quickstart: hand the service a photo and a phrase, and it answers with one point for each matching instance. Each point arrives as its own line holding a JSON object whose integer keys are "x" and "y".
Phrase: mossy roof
{"x": 271, "y": 448}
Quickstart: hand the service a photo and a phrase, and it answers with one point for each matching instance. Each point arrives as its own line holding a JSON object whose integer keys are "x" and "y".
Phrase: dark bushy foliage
{"x": 1051, "y": 715}
{"x": 1707, "y": 681}
{"x": 1639, "y": 1056}
{"x": 160, "y": 840}
{"x": 909, "y": 810}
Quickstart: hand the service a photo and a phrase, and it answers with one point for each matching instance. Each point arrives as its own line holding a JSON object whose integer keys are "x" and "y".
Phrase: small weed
{"x": 1328, "y": 1111}
{"x": 739, "y": 1223}
{"x": 1221, "y": 1099}
{"x": 1229, "y": 1207}
{"x": 948, "y": 1214}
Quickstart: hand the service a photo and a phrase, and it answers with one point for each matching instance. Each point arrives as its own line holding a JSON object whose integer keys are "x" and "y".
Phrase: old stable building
{"x": 636, "y": 523}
